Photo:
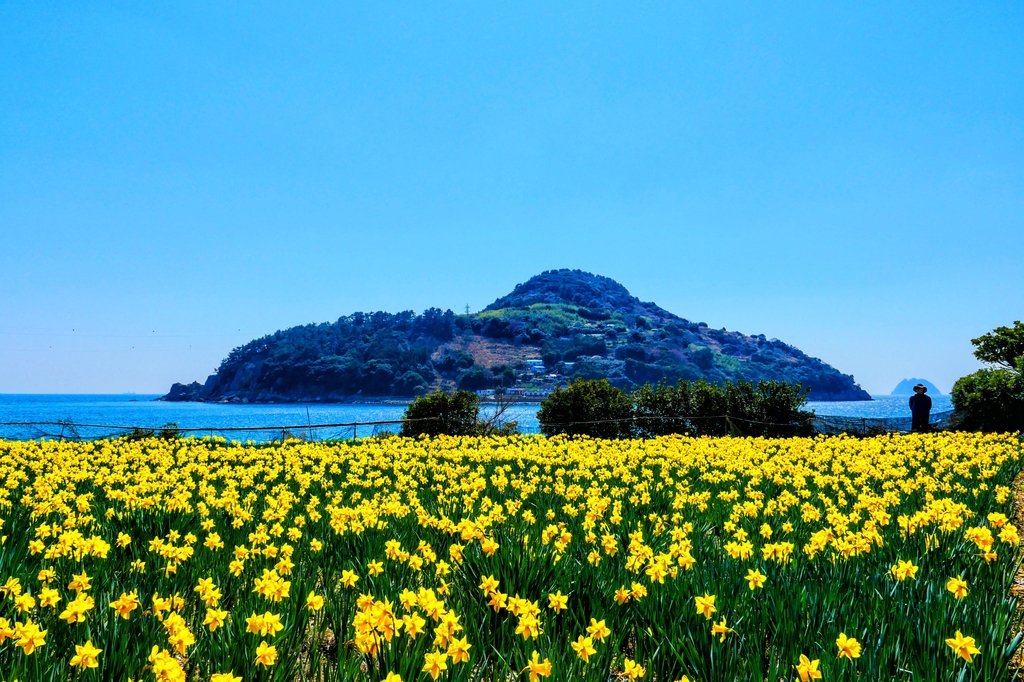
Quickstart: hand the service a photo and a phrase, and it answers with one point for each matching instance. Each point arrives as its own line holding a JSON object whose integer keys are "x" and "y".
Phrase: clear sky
{"x": 179, "y": 178}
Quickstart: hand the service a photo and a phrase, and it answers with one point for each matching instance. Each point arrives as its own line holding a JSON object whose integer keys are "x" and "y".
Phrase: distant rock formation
{"x": 558, "y": 326}
{"x": 906, "y": 387}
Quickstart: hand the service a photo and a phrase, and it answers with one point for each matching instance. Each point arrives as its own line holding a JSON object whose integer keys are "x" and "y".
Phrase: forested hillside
{"x": 558, "y": 326}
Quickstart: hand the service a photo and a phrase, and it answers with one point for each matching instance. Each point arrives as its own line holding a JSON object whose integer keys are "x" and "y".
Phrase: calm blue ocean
{"x": 882, "y": 407}
{"x": 145, "y": 411}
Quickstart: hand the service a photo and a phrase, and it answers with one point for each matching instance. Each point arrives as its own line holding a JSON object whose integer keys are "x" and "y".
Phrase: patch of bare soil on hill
{"x": 490, "y": 352}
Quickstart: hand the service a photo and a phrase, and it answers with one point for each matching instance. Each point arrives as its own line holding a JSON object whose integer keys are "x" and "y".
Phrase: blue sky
{"x": 179, "y": 178}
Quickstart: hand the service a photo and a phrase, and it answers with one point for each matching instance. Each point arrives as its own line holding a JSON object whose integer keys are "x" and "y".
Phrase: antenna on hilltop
{"x": 467, "y": 309}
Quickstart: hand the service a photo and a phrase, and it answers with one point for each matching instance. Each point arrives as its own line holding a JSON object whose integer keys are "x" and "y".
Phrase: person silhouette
{"x": 920, "y": 406}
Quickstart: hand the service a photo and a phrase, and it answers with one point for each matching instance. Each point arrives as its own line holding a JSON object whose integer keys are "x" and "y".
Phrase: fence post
{"x": 733, "y": 429}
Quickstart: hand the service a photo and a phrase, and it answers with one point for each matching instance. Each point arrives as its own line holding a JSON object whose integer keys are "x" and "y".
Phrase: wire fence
{"x": 863, "y": 426}
{"x": 70, "y": 430}
{"x": 738, "y": 426}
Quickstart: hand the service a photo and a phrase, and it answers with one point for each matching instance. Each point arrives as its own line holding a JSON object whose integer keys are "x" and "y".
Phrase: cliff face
{"x": 558, "y": 326}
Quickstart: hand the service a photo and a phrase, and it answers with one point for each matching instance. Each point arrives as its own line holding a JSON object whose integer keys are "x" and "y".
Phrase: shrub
{"x": 455, "y": 414}
{"x": 410, "y": 383}
{"x": 989, "y": 400}
{"x": 993, "y": 399}
{"x": 587, "y": 407}
{"x": 700, "y": 408}
{"x": 168, "y": 431}
{"x": 475, "y": 378}
{"x": 769, "y": 408}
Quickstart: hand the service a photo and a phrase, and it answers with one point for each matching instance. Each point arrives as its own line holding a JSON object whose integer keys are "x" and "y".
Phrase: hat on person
{"x": 921, "y": 386}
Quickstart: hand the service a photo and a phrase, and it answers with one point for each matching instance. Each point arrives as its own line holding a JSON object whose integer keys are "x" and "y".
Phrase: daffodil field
{"x": 513, "y": 558}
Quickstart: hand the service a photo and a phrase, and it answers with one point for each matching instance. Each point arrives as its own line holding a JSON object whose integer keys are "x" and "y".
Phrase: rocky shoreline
{"x": 196, "y": 393}
{"x": 199, "y": 393}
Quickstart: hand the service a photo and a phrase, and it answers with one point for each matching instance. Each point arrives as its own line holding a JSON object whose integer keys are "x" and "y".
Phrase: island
{"x": 558, "y": 326}
{"x": 906, "y": 387}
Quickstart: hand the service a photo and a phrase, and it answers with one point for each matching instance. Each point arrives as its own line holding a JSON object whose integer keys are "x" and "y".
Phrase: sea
{"x": 25, "y": 417}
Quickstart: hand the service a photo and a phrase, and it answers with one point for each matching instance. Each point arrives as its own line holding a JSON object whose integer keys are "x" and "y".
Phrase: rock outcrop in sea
{"x": 906, "y": 387}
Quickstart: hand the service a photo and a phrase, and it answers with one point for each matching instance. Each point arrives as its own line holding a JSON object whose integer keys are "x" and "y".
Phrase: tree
{"x": 410, "y": 383}
{"x": 455, "y": 414}
{"x": 993, "y": 399}
{"x": 703, "y": 357}
{"x": 475, "y": 378}
{"x": 769, "y": 408}
{"x": 453, "y": 360}
{"x": 700, "y": 408}
{"x": 989, "y": 400}
{"x": 587, "y": 407}
{"x": 1002, "y": 346}
{"x": 661, "y": 409}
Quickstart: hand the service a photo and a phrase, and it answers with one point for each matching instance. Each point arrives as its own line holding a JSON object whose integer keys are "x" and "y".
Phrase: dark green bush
{"x": 168, "y": 431}
{"x": 699, "y": 408}
{"x": 993, "y": 399}
{"x": 989, "y": 400}
{"x": 587, "y": 407}
{"x": 455, "y": 414}
{"x": 475, "y": 378}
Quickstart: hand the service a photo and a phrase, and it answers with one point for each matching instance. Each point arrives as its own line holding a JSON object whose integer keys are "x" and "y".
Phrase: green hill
{"x": 558, "y": 326}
